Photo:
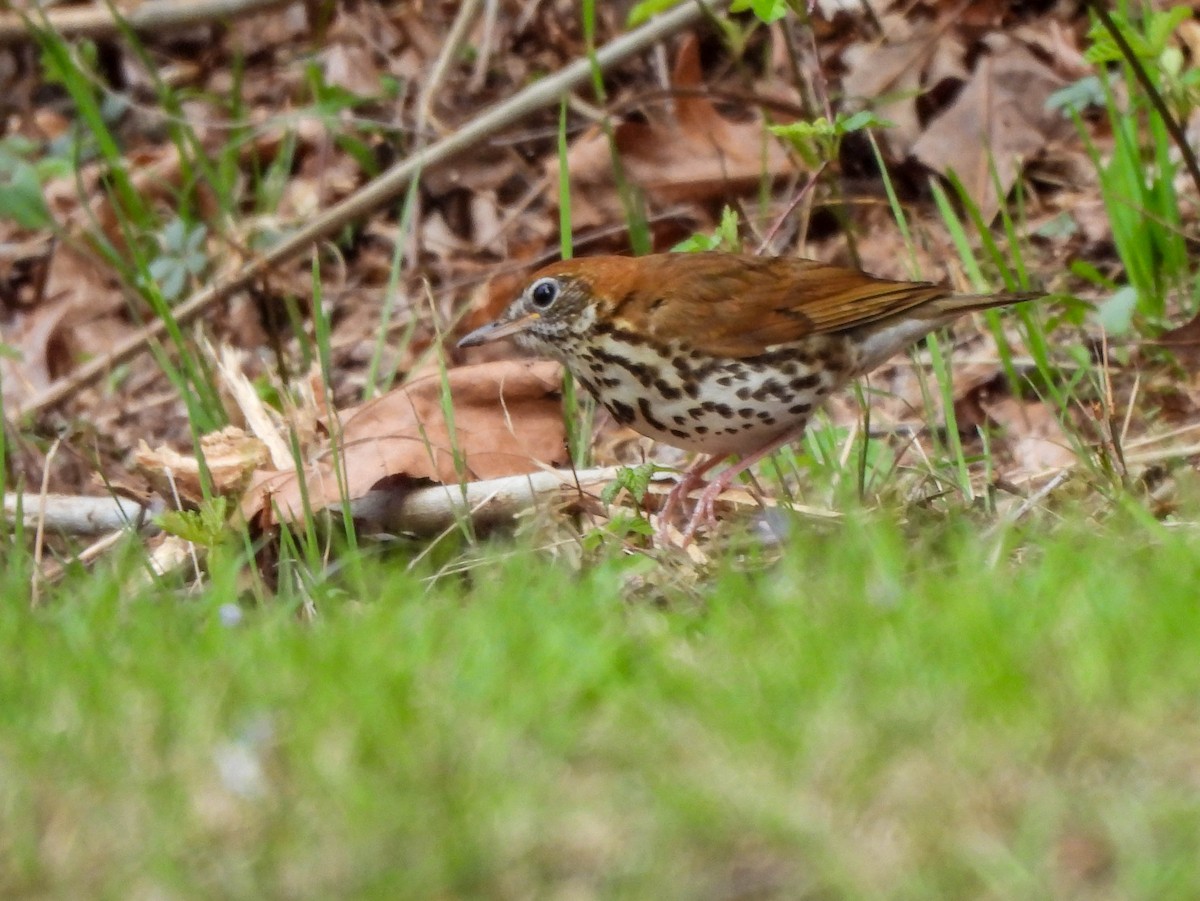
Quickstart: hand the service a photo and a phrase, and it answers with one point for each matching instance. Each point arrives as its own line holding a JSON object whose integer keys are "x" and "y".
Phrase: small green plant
{"x": 181, "y": 258}
{"x": 634, "y": 479}
{"x": 205, "y": 526}
{"x": 767, "y": 10}
{"x": 1141, "y": 89}
{"x": 208, "y": 527}
{"x": 724, "y": 237}
{"x": 1149, "y": 43}
{"x": 333, "y": 103}
{"x": 819, "y": 142}
{"x": 21, "y": 181}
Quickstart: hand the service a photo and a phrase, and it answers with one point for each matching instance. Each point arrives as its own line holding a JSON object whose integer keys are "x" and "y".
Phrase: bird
{"x": 720, "y": 353}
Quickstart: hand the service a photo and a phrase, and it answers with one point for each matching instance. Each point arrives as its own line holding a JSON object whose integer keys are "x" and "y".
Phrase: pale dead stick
{"x": 99, "y": 21}
{"x": 458, "y": 33}
{"x": 384, "y": 189}
{"x": 450, "y": 49}
{"x": 422, "y": 511}
{"x": 79, "y": 514}
{"x": 35, "y": 578}
{"x": 487, "y": 37}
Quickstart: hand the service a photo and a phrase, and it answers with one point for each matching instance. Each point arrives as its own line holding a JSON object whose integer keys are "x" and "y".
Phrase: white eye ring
{"x": 543, "y": 293}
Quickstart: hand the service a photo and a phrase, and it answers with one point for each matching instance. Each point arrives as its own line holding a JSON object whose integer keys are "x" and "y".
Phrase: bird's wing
{"x": 740, "y": 306}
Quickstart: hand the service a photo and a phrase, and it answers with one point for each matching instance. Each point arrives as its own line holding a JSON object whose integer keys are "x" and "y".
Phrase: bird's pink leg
{"x": 705, "y": 511}
{"x": 692, "y": 477}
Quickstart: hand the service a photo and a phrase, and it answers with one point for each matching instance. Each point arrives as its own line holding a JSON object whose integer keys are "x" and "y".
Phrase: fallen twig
{"x": 429, "y": 511}
{"x": 77, "y": 514}
{"x": 99, "y": 21}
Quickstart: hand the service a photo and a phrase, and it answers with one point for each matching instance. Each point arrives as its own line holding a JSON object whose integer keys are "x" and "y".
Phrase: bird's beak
{"x": 494, "y": 331}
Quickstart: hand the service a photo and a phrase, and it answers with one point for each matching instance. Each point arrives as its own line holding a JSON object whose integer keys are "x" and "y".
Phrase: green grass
{"x": 887, "y": 711}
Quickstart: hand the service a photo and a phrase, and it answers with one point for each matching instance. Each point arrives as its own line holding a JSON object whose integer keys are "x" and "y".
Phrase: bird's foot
{"x": 705, "y": 511}
{"x": 688, "y": 482}
{"x": 691, "y": 479}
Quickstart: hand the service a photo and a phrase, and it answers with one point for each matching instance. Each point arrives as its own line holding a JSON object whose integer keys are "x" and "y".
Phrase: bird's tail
{"x": 885, "y": 337}
{"x": 947, "y": 308}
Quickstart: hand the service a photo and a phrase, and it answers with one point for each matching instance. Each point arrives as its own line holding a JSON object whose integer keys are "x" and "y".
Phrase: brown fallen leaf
{"x": 1034, "y": 439}
{"x": 231, "y": 456}
{"x": 80, "y": 313}
{"x": 29, "y": 368}
{"x": 889, "y": 73}
{"x": 695, "y": 155}
{"x": 507, "y": 419}
{"x": 999, "y": 118}
{"x": 349, "y": 65}
{"x": 1184, "y": 342}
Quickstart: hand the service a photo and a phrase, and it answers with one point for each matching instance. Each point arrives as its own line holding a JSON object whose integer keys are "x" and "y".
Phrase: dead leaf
{"x": 999, "y": 118}
{"x": 351, "y": 68}
{"x": 695, "y": 155}
{"x": 231, "y": 456}
{"x": 1184, "y": 342}
{"x": 80, "y": 315}
{"x": 507, "y": 420}
{"x": 29, "y": 370}
{"x": 1035, "y": 441}
{"x": 890, "y": 73}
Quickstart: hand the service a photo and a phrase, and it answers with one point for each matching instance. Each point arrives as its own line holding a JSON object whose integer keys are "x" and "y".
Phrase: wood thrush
{"x": 716, "y": 352}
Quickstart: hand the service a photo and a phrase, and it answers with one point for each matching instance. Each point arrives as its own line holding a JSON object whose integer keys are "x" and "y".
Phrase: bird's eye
{"x": 543, "y": 292}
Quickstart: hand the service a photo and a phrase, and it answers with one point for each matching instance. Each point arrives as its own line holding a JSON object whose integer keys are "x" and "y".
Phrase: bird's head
{"x": 558, "y": 307}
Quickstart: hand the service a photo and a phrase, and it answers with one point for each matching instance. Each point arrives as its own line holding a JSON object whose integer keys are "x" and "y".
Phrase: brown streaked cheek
{"x": 543, "y": 346}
